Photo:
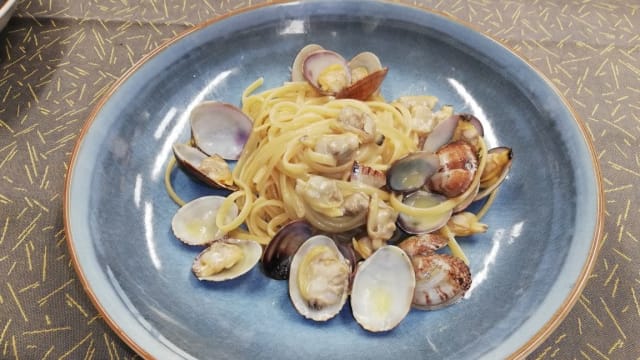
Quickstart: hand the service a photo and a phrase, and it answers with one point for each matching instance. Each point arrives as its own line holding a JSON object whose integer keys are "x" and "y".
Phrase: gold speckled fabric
{"x": 58, "y": 57}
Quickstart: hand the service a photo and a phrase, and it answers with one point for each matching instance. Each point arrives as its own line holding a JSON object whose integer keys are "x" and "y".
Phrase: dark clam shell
{"x": 412, "y": 171}
{"x": 277, "y": 256}
{"x": 190, "y": 159}
{"x": 364, "y": 88}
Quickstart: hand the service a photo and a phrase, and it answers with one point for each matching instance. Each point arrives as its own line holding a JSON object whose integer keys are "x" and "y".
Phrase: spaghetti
{"x": 286, "y": 153}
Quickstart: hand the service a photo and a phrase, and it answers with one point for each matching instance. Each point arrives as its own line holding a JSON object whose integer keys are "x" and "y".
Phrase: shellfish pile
{"x": 392, "y": 255}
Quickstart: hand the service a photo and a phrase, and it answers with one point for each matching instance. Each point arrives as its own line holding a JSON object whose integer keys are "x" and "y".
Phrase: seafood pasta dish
{"x": 345, "y": 195}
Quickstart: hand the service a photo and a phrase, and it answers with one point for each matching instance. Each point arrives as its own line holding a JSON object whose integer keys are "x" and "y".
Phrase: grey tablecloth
{"x": 58, "y": 57}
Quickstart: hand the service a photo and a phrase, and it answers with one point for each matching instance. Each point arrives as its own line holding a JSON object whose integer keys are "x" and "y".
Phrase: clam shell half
{"x": 226, "y": 259}
{"x": 195, "y": 222}
{"x": 220, "y": 128}
{"x": 319, "y": 279}
{"x": 382, "y": 289}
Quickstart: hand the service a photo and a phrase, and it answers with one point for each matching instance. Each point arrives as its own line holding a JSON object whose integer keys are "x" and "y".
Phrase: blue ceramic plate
{"x": 528, "y": 269}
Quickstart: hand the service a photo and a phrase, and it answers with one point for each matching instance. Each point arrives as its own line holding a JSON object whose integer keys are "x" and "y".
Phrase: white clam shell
{"x": 195, "y": 222}
{"x": 382, "y": 289}
{"x": 296, "y": 68}
{"x": 220, "y": 128}
{"x": 367, "y": 60}
{"x": 301, "y": 305}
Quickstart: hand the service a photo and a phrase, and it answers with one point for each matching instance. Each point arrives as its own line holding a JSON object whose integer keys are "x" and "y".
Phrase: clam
{"x": 441, "y": 134}
{"x": 467, "y": 201}
{"x": 363, "y": 64}
{"x": 423, "y": 224}
{"x": 367, "y": 175}
{"x": 195, "y": 222}
{"x": 367, "y": 74}
{"x": 365, "y": 87}
{"x": 296, "y": 68}
{"x": 226, "y": 259}
{"x": 455, "y": 127}
{"x": 469, "y": 128}
{"x": 382, "y": 290}
{"x": 360, "y": 123}
{"x": 465, "y": 224}
{"x": 441, "y": 280}
{"x": 327, "y": 71}
{"x": 212, "y": 170}
{"x": 412, "y": 171}
{"x": 319, "y": 279}
{"x": 423, "y": 244}
{"x": 219, "y": 128}
{"x": 499, "y": 162}
{"x": 330, "y": 73}
{"x": 458, "y": 166}
{"x": 277, "y": 256}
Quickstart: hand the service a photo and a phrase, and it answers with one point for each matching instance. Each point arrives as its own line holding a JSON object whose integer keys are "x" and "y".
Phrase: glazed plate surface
{"x": 528, "y": 269}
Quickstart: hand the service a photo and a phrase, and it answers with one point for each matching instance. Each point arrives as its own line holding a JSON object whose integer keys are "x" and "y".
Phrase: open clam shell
{"x": 195, "y": 222}
{"x": 277, "y": 256}
{"x": 226, "y": 259}
{"x": 330, "y": 73}
{"x": 315, "y": 70}
{"x": 198, "y": 164}
{"x": 423, "y": 224}
{"x": 412, "y": 171}
{"x": 382, "y": 289}
{"x": 319, "y": 279}
{"x": 367, "y": 74}
{"x": 220, "y": 128}
{"x": 365, "y": 60}
{"x": 296, "y": 68}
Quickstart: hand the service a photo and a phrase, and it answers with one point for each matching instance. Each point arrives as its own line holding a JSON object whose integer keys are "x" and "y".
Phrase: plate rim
{"x": 540, "y": 335}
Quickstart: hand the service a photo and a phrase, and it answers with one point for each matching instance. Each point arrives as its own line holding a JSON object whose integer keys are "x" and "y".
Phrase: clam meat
{"x": 413, "y": 171}
{"x": 226, "y": 259}
{"x": 212, "y": 170}
{"x": 319, "y": 279}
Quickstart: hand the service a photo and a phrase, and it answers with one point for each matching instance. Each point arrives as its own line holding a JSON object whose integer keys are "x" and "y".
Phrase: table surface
{"x": 57, "y": 58}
